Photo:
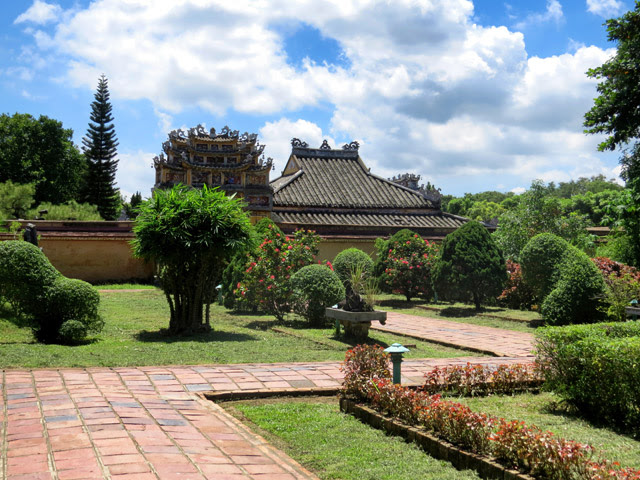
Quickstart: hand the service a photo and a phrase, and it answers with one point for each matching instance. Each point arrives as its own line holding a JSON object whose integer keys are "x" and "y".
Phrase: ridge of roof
{"x": 287, "y": 181}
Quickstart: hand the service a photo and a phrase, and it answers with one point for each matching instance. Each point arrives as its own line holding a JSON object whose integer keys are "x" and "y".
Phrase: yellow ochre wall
{"x": 96, "y": 260}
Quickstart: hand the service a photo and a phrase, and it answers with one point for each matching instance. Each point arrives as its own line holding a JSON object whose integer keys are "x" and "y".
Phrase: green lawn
{"x": 460, "y": 312}
{"x": 337, "y": 446}
{"x": 541, "y": 410}
{"x": 133, "y": 336}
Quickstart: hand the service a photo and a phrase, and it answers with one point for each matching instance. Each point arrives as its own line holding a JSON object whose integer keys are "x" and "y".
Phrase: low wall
{"x": 96, "y": 252}
{"x": 99, "y": 252}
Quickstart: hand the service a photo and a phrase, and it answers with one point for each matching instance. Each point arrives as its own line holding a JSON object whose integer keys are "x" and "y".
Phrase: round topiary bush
{"x": 316, "y": 287}
{"x": 577, "y": 294}
{"x": 347, "y": 261}
{"x": 24, "y": 272}
{"x": 69, "y": 300}
{"x": 540, "y": 261}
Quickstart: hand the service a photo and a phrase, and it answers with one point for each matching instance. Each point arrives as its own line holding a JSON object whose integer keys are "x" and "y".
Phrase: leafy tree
{"x": 15, "y": 199}
{"x": 71, "y": 210}
{"x": 539, "y": 212}
{"x": 41, "y": 152}
{"x": 190, "y": 234}
{"x": 616, "y": 112}
{"x": 99, "y": 147}
{"x": 130, "y": 208}
{"x": 471, "y": 266}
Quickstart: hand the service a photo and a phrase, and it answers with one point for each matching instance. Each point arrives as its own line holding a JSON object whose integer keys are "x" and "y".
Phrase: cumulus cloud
{"x": 605, "y": 8}
{"x": 276, "y": 136}
{"x": 553, "y": 14}
{"x": 40, "y": 13}
{"x": 426, "y": 89}
{"x": 135, "y": 172}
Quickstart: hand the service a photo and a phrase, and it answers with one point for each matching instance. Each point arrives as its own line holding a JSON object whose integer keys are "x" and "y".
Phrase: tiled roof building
{"x": 333, "y": 192}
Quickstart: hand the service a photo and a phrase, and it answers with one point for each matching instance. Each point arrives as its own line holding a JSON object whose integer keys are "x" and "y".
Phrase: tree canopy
{"x": 616, "y": 113}
{"x": 190, "y": 234}
{"x": 40, "y": 151}
{"x": 99, "y": 147}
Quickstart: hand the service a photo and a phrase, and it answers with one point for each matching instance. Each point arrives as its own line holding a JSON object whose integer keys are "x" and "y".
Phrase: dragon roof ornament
{"x": 297, "y": 143}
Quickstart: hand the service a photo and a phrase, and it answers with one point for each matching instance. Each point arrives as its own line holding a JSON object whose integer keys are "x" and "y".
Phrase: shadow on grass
{"x": 565, "y": 409}
{"x": 399, "y": 303}
{"x": 460, "y": 312}
{"x": 213, "y": 336}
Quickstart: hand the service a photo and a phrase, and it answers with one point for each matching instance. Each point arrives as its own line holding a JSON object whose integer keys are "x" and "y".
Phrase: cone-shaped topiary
{"x": 471, "y": 266}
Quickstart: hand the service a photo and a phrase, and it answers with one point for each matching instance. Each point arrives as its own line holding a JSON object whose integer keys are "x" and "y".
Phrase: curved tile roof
{"x": 402, "y": 220}
{"x": 340, "y": 181}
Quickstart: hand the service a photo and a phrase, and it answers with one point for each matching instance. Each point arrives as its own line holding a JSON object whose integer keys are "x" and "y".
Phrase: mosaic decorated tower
{"x": 227, "y": 160}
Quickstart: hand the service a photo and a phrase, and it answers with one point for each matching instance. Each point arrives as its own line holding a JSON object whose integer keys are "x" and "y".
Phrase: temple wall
{"x": 330, "y": 247}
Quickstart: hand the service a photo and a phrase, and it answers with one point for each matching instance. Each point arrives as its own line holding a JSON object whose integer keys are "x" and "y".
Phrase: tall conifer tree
{"x": 99, "y": 147}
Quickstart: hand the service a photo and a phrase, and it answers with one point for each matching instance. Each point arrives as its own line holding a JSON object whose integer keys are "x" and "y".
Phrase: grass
{"x": 337, "y": 446}
{"x": 544, "y": 411}
{"x": 133, "y": 336}
{"x": 125, "y": 286}
{"x": 459, "y": 312}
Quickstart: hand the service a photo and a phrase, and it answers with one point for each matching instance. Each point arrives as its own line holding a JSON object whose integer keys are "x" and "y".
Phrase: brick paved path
{"x": 493, "y": 341}
{"x": 150, "y": 422}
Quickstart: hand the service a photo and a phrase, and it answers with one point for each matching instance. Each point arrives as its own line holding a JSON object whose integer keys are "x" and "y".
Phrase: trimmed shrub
{"x": 470, "y": 267}
{"x": 69, "y": 300}
{"x": 38, "y": 290}
{"x": 24, "y": 273}
{"x": 594, "y": 368}
{"x": 540, "y": 260}
{"x": 345, "y": 263}
{"x": 577, "y": 295}
{"x": 316, "y": 287}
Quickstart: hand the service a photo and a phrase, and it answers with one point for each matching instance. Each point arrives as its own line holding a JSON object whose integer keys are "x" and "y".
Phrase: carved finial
{"x": 325, "y": 145}
{"x": 297, "y": 143}
{"x": 212, "y": 132}
{"x": 351, "y": 146}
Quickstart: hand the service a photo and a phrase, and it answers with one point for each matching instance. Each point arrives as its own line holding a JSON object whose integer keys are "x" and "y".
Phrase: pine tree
{"x": 99, "y": 147}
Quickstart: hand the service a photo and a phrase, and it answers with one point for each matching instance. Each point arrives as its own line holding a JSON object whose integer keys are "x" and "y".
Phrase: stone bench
{"x": 632, "y": 312}
{"x": 356, "y": 324}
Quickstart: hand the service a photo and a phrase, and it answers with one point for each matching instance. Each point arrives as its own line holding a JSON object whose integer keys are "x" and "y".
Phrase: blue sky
{"x": 471, "y": 96}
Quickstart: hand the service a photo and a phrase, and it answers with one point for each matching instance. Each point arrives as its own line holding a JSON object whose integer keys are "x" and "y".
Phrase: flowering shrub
{"x": 622, "y": 285}
{"x": 266, "y": 282}
{"x": 361, "y": 364}
{"x": 471, "y": 380}
{"x": 516, "y": 294}
{"x": 540, "y": 453}
{"x": 610, "y": 267}
{"x": 408, "y": 267}
{"x": 514, "y": 443}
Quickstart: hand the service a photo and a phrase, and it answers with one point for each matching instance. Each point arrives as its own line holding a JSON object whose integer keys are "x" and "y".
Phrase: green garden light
{"x": 396, "y": 350}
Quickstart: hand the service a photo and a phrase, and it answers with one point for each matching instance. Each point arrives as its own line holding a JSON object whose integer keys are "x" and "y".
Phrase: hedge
{"x": 595, "y": 368}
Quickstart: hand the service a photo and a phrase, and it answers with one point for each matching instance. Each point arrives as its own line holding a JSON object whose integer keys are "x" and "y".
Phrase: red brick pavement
{"x": 492, "y": 341}
{"x": 150, "y": 423}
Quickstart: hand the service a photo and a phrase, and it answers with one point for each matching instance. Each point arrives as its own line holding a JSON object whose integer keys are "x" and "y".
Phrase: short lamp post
{"x": 396, "y": 350}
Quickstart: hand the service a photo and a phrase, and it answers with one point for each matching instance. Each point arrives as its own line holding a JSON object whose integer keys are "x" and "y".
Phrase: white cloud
{"x": 135, "y": 172}
{"x": 553, "y": 13}
{"x": 426, "y": 90}
{"x": 40, "y": 13}
{"x": 605, "y": 8}
{"x": 276, "y": 136}
{"x": 518, "y": 190}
